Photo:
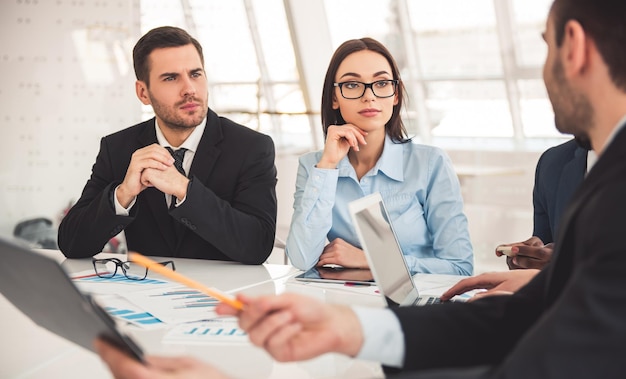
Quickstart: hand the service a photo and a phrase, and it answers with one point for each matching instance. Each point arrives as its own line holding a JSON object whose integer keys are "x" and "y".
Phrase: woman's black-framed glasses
{"x": 352, "y": 89}
{"x": 107, "y": 268}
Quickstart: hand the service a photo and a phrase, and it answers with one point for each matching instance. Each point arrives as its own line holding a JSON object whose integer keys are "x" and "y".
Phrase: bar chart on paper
{"x": 88, "y": 281}
{"x": 121, "y": 309}
{"x": 175, "y": 304}
{"x": 116, "y": 279}
{"x": 133, "y": 316}
{"x": 189, "y": 298}
{"x": 219, "y": 331}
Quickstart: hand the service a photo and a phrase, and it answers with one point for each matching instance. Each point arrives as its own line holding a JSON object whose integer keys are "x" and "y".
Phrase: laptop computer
{"x": 384, "y": 255}
{"x": 39, "y": 287}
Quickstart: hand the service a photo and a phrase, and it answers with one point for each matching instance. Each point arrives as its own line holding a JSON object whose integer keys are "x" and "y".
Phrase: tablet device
{"x": 39, "y": 287}
{"x": 338, "y": 275}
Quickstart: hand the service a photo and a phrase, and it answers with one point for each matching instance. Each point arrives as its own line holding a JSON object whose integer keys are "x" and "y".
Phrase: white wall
{"x": 66, "y": 80}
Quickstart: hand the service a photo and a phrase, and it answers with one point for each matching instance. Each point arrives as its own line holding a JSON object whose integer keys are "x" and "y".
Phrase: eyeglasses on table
{"x": 107, "y": 268}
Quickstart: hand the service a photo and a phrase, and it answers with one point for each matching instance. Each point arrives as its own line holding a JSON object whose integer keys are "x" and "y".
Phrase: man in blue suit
{"x": 559, "y": 172}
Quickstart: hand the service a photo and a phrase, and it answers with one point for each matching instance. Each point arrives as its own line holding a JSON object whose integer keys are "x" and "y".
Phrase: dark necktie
{"x": 178, "y": 155}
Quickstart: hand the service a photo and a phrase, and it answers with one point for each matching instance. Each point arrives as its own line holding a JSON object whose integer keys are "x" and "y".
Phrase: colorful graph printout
{"x": 88, "y": 281}
{"x": 125, "y": 312}
{"x": 133, "y": 316}
{"x": 215, "y": 331}
{"x": 175, "y": 305}
{"x": 117, "y": 279}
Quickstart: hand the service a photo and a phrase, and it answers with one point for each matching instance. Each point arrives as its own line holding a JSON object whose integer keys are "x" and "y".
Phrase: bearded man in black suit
{"x": 186, "y": 183}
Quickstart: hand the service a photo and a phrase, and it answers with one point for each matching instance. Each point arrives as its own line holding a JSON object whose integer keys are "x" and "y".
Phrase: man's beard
{"x": 573, "y": 113}
{"x": 172, "y": 120}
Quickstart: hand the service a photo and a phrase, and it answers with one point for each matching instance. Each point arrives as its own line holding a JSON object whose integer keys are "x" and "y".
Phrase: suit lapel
{"x": 204, "y": 160}
{"x": 571, "y": 177}
{"x": 564, "y": 255}
{"x": 207, "y": 154}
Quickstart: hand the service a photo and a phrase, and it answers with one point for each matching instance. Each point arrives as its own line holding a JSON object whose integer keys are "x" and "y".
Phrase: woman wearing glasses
{"x": 367, "y": 150}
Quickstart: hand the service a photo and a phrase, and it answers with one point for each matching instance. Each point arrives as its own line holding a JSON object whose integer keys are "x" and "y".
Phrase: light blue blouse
{"x": 421, "y": 192}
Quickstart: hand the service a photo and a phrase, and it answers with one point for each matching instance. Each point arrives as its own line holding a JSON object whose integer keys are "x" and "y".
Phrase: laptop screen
{"x": 381, "y": 246}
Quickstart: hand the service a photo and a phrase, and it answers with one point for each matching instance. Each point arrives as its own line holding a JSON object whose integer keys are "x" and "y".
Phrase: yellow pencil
{"x": 169, "y": 273}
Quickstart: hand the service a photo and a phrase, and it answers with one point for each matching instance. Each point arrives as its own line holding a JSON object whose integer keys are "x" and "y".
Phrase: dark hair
{"x": 604, "y": 21}
{"x": 157, "y": 38}
{"x": 395, "y": 128}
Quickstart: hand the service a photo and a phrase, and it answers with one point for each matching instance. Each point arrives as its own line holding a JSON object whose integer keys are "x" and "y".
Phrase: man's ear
{"x": 575, "y": 49}
{"x": 141, "y": 89}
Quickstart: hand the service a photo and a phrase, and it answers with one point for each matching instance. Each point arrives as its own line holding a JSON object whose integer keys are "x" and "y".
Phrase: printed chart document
{"x": 215, "y": 331}
{"x": 126, "y": 312}
{"x": 160, "y": 301}
{"x": 88, "y": 281}
{"x": 174, "y": 305}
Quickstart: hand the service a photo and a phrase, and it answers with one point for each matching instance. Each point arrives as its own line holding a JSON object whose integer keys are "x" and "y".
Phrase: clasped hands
{"x": 151, "y": 166}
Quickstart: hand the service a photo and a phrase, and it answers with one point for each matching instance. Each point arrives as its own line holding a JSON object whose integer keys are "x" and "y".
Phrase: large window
{"x": 249, "y": 61}
{"x": 472, "y": 67}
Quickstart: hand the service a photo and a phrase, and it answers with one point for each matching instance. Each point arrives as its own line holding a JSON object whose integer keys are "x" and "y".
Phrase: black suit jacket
{"x": 568, "y": 322}
{"x": 560, "y": 170}
{"x": 229, "y": 212}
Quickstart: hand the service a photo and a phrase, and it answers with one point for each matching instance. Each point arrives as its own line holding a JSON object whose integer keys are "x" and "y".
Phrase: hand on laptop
{"x": 339, "y": 252}
{"x": 495, "y": 283}
{"x": 124, "y": 367}
{"x": 294, "y": 327}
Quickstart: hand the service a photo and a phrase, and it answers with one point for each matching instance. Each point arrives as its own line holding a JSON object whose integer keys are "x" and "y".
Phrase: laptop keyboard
{"x": 433, "y": 300}
{"x": 427, "y": 300}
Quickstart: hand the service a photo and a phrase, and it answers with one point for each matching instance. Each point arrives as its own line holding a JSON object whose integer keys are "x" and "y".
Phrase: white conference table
{"x": 31, "y": 352}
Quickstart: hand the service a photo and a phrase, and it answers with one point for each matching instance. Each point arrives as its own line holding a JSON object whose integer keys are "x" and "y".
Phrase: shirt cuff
{"x": 383, "y": 338}
{"x": 119, "y": 209}
{"x": 174, "y": 198}
{"x": 322, "y": 184}
{"x": 178, "y": 203}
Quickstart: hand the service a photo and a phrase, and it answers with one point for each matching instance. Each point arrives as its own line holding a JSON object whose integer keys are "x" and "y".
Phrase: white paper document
{"x": 125, "y": 312}
{"x": 175, "y": 305}
{"x": 88, "y": 281}
{"x": 215, "y": 331}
